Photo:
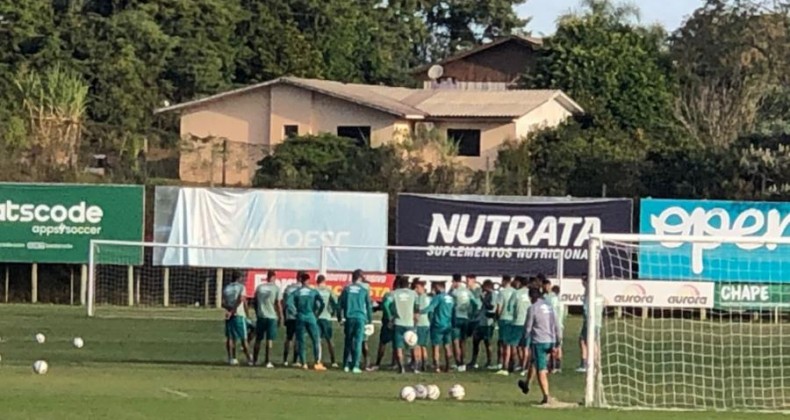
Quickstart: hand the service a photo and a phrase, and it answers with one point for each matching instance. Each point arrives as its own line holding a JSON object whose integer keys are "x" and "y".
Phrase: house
{"x": 496, "y": 65}
{"x": 235, "y": 129}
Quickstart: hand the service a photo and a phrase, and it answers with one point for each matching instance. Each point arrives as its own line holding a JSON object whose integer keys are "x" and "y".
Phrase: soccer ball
{"x": 40, "y": 339}
{"x": 410, "y": 338}
{"x": 40, "y": 367}
{"x": 369, "y": 330}
{"x": 457, "y": 392}
{"x": 434, "y": 392}
{"x": 408, "y": 394}
{"x": 78, "y": 343}
{"x": 421, "y": 391}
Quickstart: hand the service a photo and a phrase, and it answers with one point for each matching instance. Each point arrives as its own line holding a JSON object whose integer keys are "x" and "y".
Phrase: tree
{"x": 618, "y": 72}
{"x": 725, "y": 57}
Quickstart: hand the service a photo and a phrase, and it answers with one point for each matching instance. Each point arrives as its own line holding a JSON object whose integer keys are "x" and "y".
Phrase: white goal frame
{"x": 595, "y": 245}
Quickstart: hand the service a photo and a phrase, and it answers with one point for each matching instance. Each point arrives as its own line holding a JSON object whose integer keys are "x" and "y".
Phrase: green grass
{"x": 136, "y": 367}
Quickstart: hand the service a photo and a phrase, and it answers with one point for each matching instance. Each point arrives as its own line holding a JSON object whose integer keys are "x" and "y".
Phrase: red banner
{"x": 380, "y": 283}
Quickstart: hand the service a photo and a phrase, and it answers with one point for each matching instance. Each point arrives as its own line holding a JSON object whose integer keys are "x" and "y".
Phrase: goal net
{"x": 696, "y": 323}
{"x": 128, "y": 278}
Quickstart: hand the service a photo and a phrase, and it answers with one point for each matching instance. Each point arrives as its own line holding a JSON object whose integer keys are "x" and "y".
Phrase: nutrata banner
{"x": 380, "y": 284}
{"x": 643, "y": 293}
{"x": 752, "y": 296}
{"x": 502, "y": 235}
{"x": 54, "y": 223}
{"x": 727, "y": 262}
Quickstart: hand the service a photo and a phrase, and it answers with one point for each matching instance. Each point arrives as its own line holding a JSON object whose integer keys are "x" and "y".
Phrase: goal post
{"x": 688, "y": 322}
{"x": 130, "y": 276}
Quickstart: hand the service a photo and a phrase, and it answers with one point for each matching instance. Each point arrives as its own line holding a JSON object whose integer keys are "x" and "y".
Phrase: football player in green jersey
{"x": 268, "y": 311}
{"x": 325, "y": 317}
{"x": 307, "y": 304}
{"x": 484, "y": 328}
{"x": 235, "y": 304}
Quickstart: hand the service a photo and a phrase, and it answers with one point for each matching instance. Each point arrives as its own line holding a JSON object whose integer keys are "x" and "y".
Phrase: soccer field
{"x": 150, "y": 364}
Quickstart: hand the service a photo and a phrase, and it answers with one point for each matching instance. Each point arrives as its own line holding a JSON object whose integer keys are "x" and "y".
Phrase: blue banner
{"x": 239, "y": 225}
{"x": 715, "y": 261}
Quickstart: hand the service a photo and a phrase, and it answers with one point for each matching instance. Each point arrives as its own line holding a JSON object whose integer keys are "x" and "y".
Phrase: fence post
{"x": 166, "y": 286}
{"x": 34, "y": 283}
{"x": 218, "y": 288}
{"x": 322, "y": 260}
{"x": 7, "y": 277}
{"x": 130, "y": 285}
{"x": 71, "y": 285}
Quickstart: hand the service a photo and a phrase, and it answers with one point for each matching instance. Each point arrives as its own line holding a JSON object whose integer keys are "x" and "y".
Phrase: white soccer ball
{"x": 40, "y": 338}
{"x": 434, "y": 392}
{"x": 408, "y": 394}
{"x": 410, "y": 338}
{"x": 457, "y": 392}
{"x": 78, "y": 343}
{"x": 40, "y": 367}
{"x": 421, "y": 391}
{"x": 369, "y": 330}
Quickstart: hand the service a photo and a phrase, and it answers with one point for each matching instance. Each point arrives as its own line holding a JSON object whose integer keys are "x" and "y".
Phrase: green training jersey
{"x": 355, "y": 303}
{"x": 306, "y": 303}
{"x": 599, "y": 306}
{"x": 503, "y": 304}
{"x": 485, "y": 315}
{"x": 266, "y": 297}
{"x": 233, "y": 298}
{"x": 423, "y": 302}
{"x": 386, "y": 309}
{"x": 559, "y": 309}
{"x": 465, "y": 302}
{"x": 287, "y": 294}
{"x": 403, "y": 303}
{"x": 520, "y": 304}
{"x": 330, "y": 301}
{"x": 441, "y": 310}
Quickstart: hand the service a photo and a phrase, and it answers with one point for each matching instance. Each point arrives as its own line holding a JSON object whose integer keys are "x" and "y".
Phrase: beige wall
{"x": 290, "y": 106}
{"x": 243, "y": 121}
{"x": 492, "y": 134}
{"x": 329, "y": 113}
{"x": 550, "y": 114}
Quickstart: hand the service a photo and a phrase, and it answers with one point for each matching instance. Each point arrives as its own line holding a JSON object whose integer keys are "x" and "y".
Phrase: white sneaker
{"x": 250, "y": 363}
{"x": 285, "y": 364}
{"x": 269, "y": 365}
{"x": 523, "y": 373}
{"x": 462, "y": 368}
{"x": 581, "y": 369}
{"x": 233, "y": 362}
{"x": 502, "y": 372}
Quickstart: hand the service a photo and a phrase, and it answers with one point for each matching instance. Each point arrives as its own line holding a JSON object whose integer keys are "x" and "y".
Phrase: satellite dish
{"x": 436, "y": 71}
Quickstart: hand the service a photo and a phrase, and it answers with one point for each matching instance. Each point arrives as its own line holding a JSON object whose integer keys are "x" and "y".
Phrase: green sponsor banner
{"x": 54, "y": 223}
{"x": 752, "y": 296}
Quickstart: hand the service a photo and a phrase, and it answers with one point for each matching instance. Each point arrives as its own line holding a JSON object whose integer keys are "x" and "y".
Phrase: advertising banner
{"x": 380, "y": 284}
{"x": 643, "y": 293}
{"x": 503, "y": 235}
{"x": 240, "y": 224}
{"x": 54, "y": 223}
{"x": 762, "y": 263}
{"x": 752, "y": 296}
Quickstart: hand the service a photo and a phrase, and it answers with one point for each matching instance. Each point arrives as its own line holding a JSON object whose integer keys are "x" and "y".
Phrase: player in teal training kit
{"x": 235, "y": 305}
{"x": 356, "y": 310}
{"x": 542, "y": 334}
{"x": 465, "y": 306}
{"x": 505, "y": 323}
{"x": 423, "y": 325}
{"x": 403, "y": 308}
{"x": 519, "y": 305}
{"x": 268, "y": 311}
{"x": 307, "y": 303}
{"x": 441, "y": 310}
{"x": 290, "y": 322}
{"x": 325, "y": 317}
{"x": 484, "y": 327}
{"x": 552, "y": 298}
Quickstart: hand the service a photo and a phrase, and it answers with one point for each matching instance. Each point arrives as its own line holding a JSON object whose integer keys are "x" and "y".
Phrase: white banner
{"x": 643, "y": 293}
{"x": 247, "y": 219}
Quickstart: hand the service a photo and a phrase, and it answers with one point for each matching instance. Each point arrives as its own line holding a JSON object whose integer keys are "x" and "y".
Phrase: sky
{"x": 544, "y": 13}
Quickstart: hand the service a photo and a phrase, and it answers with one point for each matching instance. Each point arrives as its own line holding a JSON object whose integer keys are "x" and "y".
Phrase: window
{"x": 359, "y": 134}
{"x": 290, "y": 131}
{"x": 468, "y": 141}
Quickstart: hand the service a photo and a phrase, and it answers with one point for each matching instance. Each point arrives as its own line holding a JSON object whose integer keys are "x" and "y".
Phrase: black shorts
{"x": 290, "y": 329}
